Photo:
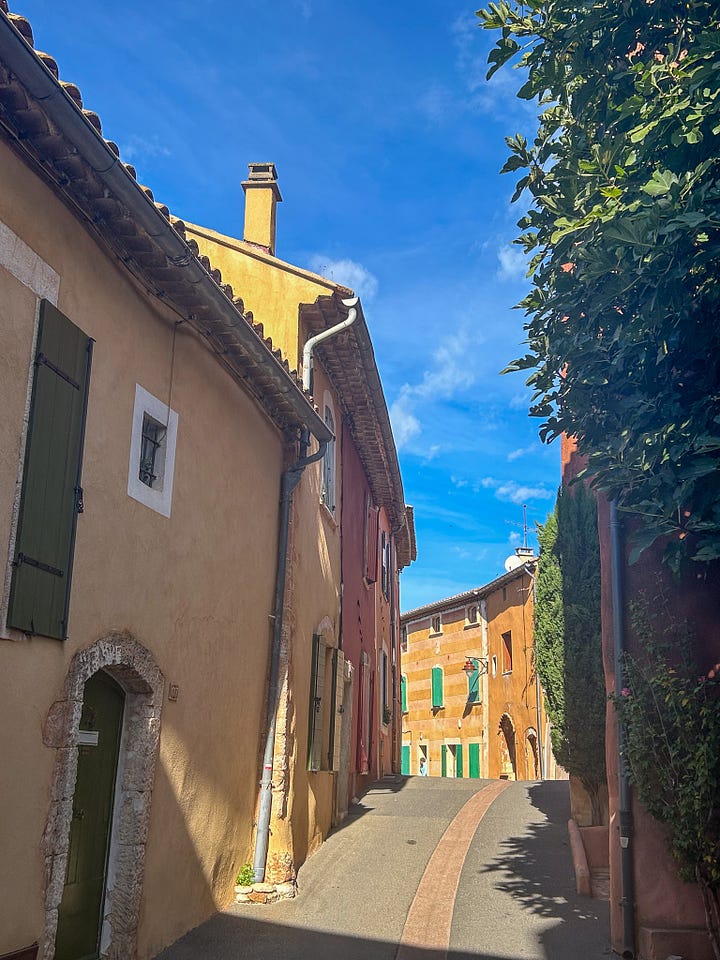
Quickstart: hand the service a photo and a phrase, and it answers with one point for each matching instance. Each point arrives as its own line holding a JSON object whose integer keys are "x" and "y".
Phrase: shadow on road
{"x": 232, "y": 937}
{"x": 535, "y": 869}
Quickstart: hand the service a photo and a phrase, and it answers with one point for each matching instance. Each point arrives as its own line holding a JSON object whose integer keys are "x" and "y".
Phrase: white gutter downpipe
{"x": 324, "y": 335}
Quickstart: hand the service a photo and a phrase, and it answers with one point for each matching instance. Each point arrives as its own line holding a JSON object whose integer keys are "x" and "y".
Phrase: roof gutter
{"x": 325, "y": 335}
{"x": 22, "y": 60}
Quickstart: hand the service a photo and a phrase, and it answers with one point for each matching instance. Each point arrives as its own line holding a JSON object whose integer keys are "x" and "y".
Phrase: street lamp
{"x": 475, "y": 663}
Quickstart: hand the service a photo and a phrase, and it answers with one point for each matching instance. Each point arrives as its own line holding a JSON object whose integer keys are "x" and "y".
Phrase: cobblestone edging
{"x": 265, "y": 892}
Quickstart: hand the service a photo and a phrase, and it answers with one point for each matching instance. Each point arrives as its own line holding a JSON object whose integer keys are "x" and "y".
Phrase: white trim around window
{"x": 158, "y": 496}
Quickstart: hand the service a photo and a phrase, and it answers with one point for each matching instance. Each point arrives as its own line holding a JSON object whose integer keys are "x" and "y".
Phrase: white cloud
{"x": 405, "y": 424}
{"x": 138, "y": 148}
{"x": 452, "y": 371}
{"x": 513, "y": 264}
{"x": 513, "y": 492}
{"x": 522, "y": 452}
{"x": 432, "y": 452}
{"x": 510, "y": 491}
{"x": 348, "y": 273}
{"x": 514, "y": 539}
{"x": 521, "y": 401}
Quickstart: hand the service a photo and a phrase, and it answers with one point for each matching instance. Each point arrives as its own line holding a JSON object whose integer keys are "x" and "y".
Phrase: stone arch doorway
{"x": 532, "y": 756}
{"x": 508, "y": 759}
{"x": 131, "y": 667}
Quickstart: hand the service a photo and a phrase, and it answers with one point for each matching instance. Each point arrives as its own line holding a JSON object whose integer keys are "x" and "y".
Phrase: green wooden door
{"x": 443, "y": 760}
{"x": 458, "y": 761}
{"x": 474, "y": 759}
{"x": 81, "y": 909}
{"x": 405, "y": 759}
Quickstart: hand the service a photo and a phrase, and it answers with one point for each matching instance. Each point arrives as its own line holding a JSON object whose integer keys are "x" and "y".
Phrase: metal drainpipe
{"x": 290, "y": 479}
{"x": 326, "y": 334}
{"x": 624, "y": 802}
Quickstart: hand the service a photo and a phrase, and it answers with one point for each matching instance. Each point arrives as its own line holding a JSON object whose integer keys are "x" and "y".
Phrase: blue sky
{"x": 388, "y": 143}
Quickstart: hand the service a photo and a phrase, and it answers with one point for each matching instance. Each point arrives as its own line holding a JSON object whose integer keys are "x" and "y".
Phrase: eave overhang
{"x": 349, "y": 361}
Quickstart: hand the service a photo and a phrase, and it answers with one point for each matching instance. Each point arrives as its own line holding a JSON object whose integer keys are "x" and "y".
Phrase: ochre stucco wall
{"x": 512, "y": 693}
{"x": 269, "y": 287}
{"x": 196, "y": 589}
{"x": 273, "y": 291}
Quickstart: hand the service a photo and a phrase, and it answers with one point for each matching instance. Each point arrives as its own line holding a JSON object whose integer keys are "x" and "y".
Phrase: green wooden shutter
{"x": 405, "y": 759}
{"x": 443, "y": 760}
{"x": 474, "y": 685}
{"x": 51, "y": 496}
{"x": 315, "y": 715}
{"x": 458, "y": 761}
{"x": 437, "y": 687}
{"x": 474, "y": 759}
{"x": 403, "y": 693}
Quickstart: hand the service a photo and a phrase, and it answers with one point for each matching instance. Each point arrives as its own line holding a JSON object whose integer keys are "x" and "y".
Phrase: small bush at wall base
{"x": 246, "y": 877}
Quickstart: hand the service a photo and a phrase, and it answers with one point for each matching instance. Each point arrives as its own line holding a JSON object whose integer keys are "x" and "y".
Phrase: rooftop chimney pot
{"x": 262, "y": 195}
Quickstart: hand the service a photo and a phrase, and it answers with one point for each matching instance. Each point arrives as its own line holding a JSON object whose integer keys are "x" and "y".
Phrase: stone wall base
{"x": 265, "y": 892}
{"x": 688, "y": 944}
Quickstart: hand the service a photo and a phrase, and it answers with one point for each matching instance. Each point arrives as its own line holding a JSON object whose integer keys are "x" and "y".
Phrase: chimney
{"x": 261, "y": 197}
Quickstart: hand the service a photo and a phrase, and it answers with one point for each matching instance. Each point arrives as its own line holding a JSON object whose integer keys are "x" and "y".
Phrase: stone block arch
{"x": 133, "y": 667}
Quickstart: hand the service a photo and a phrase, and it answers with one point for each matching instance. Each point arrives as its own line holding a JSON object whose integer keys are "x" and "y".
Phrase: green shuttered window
{"x": 474, "y": 684}
{"x": 437, "y": 687}
{"x": 51, "y": 496}
{"x": 403, "y": 693}
{"x": 317, "y": 683}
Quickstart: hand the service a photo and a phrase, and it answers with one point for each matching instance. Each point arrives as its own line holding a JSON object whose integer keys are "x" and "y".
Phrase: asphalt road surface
{"x": 426, "y": 868}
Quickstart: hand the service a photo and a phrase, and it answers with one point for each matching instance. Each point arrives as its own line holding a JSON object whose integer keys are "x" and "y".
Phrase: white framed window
{"x": 328, "y": 486}
{"x": 435, "y": 624}
{"x": 494, "y": 666}
{"x": 471, "y": 615}
{"x": 152, "y": 452}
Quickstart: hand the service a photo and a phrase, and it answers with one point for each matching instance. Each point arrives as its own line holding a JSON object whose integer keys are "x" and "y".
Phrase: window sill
{"x": 507, "y": 673}
{"x": 328, "y": 515}
{"x": 434, "y": 635}
{"x": 470, "y": 626}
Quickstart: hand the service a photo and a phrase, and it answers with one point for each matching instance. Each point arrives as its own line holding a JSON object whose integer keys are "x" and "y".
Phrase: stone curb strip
{"x": 430, "y": 916}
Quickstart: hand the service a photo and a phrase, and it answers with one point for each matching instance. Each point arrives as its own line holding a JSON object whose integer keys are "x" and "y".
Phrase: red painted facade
{"x": 662, "y": 901}
{"x": 369, "y": 639}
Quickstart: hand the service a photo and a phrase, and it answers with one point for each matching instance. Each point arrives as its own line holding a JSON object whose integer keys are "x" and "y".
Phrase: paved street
{"x": 424, "y": 869}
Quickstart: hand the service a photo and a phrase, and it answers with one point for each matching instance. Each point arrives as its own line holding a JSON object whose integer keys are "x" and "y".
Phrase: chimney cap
{"x": 262, "y": 175}
{"x": 262, "y": 171}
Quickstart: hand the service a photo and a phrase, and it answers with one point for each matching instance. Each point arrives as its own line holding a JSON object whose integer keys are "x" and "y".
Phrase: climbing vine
{"x": 670, "y": 710}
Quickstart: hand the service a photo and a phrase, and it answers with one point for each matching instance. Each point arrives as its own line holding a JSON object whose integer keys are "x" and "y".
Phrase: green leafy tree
{"x": 568, "y": 639}
{"x": 623, "y": 235}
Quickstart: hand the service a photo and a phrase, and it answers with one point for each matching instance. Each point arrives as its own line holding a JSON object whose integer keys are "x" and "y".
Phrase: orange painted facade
{"x": 487, "y": 720}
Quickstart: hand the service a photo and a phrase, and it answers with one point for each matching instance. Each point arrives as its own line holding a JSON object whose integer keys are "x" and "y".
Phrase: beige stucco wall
{"x": 196, "y": 589}
{"x": 273, "y": 290}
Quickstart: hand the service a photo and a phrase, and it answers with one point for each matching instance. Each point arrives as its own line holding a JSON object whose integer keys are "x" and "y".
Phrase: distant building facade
{"x": 471, "y": 703}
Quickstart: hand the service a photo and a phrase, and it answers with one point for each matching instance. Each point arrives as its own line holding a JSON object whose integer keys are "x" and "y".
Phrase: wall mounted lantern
{"x": 475, "y": 663}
